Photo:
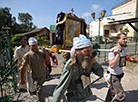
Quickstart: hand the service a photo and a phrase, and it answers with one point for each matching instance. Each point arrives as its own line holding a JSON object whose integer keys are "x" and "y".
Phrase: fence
{"x": 132, "y": 48}
{"x": 8, "y": 83}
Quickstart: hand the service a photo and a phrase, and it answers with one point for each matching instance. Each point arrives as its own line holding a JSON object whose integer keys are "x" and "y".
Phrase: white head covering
{"x": 80, "y": 42}
{"x": 32, "y": 41}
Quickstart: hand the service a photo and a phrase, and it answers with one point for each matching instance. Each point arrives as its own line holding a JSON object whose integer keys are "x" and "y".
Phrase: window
{"x": 45, "y": 33}
{"x": 106, "y": 33}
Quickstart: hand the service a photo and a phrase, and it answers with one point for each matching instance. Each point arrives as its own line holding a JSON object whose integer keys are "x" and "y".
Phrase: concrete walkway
{"x": 99, "y": 89}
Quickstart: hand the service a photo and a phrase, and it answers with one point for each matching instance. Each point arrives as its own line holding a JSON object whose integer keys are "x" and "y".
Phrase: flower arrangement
{"x": 125, "y": 31}
{"x": 132, "y": 59}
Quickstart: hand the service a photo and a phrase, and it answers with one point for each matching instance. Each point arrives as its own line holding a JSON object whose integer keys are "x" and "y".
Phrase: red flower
{"x": 133, "y": 59}
{"x": 136, "y": 59}
{"x": 128, "y": 58}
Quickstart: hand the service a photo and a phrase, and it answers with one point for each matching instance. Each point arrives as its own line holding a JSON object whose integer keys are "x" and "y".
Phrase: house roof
{"x": 34, "y": 31}
{"x": 124, "y": 21}
{"x": 129, "y": 21}
{"x": 122, "y": 4}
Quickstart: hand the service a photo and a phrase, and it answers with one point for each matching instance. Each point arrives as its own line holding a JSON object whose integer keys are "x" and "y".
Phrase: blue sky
{"x": 44, "y": 12}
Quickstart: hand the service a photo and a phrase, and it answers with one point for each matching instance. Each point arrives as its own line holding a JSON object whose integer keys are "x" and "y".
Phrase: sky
{"x": 44, "y": 12}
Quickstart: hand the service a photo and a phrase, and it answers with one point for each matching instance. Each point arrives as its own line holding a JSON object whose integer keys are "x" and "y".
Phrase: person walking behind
{"x": 117, "y": 59}
{"x": 75, "y": 77}
{"x": 18, "y": 54}
{"x": 54, "y": 61}
{"x": 36, "y": 59}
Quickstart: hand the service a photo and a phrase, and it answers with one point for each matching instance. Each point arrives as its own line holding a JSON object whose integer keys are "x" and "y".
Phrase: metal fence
{"x": 8, "y": 83}
{"x": 132, "y": 48}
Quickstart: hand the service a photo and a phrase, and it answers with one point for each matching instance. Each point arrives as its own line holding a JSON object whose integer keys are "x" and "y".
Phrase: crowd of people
{"x": 34, "y": 66}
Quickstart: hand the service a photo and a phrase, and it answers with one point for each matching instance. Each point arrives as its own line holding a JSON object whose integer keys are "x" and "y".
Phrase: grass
{"x": 131, "y": 65}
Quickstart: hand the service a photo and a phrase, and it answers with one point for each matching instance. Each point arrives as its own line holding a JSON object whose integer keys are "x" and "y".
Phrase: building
{"x": 45, "y": 31}
{"x": 88, "y": 30}
{"x": 126, "y": 10}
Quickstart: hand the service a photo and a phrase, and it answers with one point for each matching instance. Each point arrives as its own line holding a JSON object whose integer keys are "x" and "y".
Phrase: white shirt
{"x": 19, "y": 52}
{"x": 117, "y": 70}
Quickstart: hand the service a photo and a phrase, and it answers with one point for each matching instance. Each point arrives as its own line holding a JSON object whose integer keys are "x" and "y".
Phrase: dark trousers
{"x": 39, "y": 89}
{"x": 116, "y": 90}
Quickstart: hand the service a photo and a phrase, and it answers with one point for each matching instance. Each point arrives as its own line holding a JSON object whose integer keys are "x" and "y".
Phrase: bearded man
{"x": 75, "y": 77}
{"x": 117, "y": 60}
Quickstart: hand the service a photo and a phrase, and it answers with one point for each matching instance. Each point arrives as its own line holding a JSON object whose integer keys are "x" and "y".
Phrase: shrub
{"x": 16, "y": 39}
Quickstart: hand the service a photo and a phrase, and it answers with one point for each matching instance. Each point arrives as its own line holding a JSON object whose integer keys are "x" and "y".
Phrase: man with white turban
{"x": 36, "y": 59}
{"x": 75, "y": 77}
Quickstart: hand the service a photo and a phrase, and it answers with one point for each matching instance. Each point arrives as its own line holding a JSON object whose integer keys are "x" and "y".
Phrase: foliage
{"x": 16, "y": 39}
{"x": 26, "y": 20}
{"x": 6, "y": 19}
{"x": 90, "y": 38}
{"x": 42, "y": 40}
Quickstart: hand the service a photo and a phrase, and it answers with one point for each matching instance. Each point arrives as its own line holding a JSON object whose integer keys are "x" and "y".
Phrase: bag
{"x": 107, "y": 76}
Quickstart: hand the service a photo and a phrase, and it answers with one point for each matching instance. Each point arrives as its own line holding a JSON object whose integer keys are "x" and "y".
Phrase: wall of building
{"x": 45, "y": 32}
{"x": 129, "y": 6}
{"x": 120, "y": 12}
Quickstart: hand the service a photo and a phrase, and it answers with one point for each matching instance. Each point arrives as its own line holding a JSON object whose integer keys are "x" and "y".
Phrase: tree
{"x": 42, "y": 40}
{"x": 26, "y": 20}
{"x": 6, "y": 18}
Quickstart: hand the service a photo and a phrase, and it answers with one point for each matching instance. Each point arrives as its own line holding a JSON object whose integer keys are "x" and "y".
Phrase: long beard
{"x": 85, "y": 63}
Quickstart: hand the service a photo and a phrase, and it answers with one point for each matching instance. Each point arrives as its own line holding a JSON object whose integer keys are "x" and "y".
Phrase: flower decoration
{"x": 125, "y": 31}
{"x": 132, "y": 59}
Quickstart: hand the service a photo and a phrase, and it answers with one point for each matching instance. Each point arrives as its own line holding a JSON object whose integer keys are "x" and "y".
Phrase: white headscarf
{"x": 80, "y": 42}
{"x": 32, "y": 41}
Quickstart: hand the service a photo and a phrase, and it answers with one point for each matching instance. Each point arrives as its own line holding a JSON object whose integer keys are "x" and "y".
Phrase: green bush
{"x": 42, "y": 40}
{"x": 16, "y": 39}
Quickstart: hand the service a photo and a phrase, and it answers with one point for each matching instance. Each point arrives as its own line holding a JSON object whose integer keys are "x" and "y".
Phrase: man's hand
{"x": 22, "y": 73}
{"x": 116, "y": 51}
{"x": 65, "y": 54}
{"x": 43, "y": 49}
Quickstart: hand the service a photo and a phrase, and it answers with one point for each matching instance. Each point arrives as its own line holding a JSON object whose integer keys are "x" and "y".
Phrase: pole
{"x": 135, "y": 36}
{"x": 99, "y": 32}
{"x": 99, "y": 38}
{"x": 105, "y": 51}
{"x": 136, "y": 44}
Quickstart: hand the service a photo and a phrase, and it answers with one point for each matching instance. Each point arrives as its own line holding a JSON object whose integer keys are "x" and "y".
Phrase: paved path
{"x": 99, "y": 89}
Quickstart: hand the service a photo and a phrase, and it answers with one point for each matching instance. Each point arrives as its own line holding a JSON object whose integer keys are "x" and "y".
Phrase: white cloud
{"x": 86, "y": 14}
{"x": 96, "y": 8}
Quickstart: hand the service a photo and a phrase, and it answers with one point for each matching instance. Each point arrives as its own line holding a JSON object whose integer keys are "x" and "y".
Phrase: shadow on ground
{"x": 48, "y": 90}
{"x": 54, "y": 76}
{"x": 99, "y": 85}
{"x": 131, "y": 96}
